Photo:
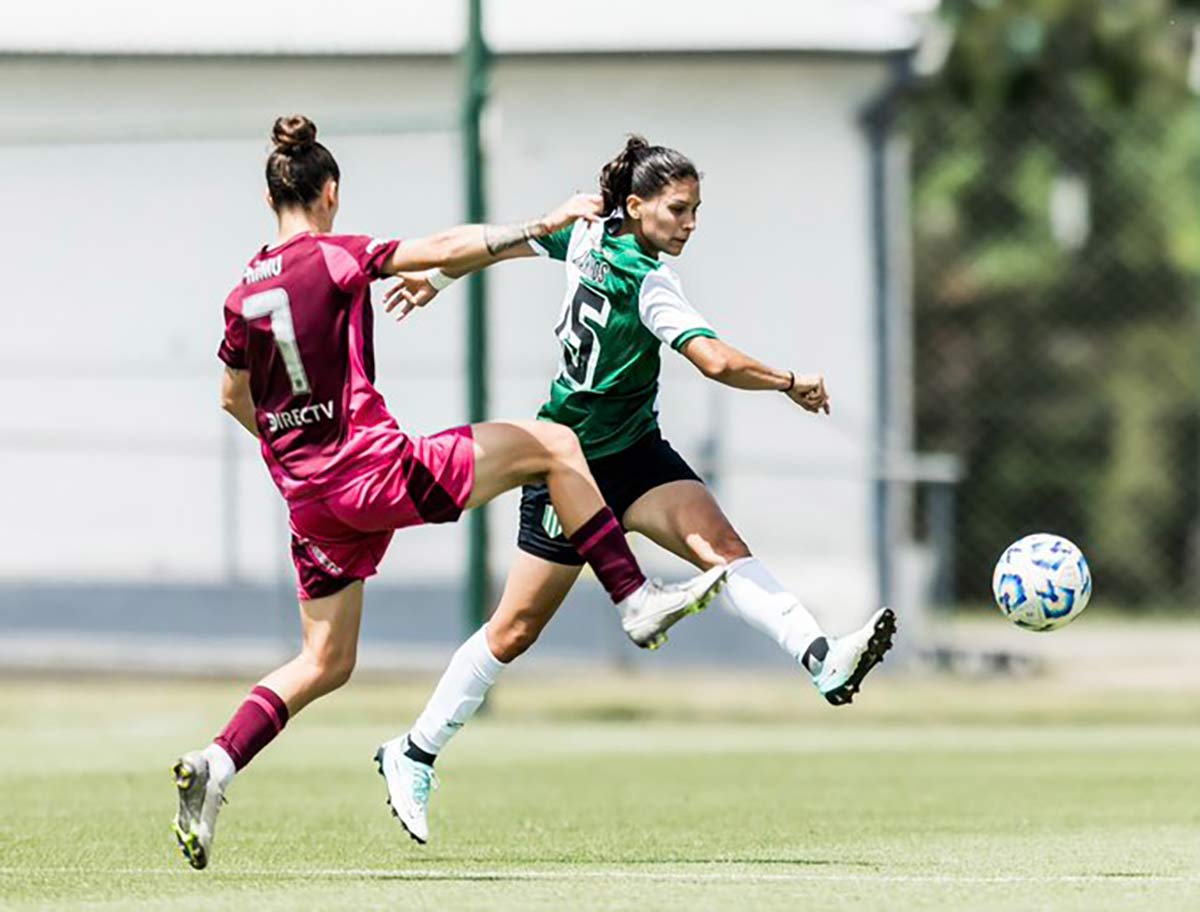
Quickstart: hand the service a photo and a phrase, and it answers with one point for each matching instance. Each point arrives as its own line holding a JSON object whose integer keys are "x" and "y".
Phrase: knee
{"x": 509, "y": 641}
{"x": 332, "y": 667}
{"x": 339, "y": 672}
{"x": 562, "y": 444}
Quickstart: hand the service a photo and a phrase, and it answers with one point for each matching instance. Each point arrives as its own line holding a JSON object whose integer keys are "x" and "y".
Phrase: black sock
{"x": 412, "y": 752}
{"x": 814, "y": 655}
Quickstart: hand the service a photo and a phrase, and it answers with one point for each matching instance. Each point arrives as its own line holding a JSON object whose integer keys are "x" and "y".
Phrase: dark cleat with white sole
{"x": 851, "y": 658}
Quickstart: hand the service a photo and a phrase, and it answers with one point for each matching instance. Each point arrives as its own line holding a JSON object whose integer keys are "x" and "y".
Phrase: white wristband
{"x": 439, "y": 280}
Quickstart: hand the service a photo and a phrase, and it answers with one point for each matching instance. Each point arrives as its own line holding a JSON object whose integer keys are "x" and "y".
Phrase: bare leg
{"x": 533, "y": 592}
{"x": 509, "y": 454}
{"x": 685, "y": 518}
{"x": 330, "y": 628}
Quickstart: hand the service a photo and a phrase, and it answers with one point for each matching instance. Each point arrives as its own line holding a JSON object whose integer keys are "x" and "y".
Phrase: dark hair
{"x": 642, "y": 169}
{"x": 298, "y": 165}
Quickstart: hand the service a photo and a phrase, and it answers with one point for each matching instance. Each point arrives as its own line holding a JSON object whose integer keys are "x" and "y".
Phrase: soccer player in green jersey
{"x": 621, "y": 305}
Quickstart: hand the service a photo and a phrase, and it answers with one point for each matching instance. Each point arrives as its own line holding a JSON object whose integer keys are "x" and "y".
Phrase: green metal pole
{"x": 475, "y": 63}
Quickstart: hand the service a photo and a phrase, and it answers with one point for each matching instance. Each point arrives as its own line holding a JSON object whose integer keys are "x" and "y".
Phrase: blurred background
{"x": 980, "y": 220}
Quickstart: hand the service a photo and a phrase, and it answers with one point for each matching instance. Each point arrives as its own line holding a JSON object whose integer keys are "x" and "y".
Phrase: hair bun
{"x": 635, "y": 143}
{"x": 293, "y": 135}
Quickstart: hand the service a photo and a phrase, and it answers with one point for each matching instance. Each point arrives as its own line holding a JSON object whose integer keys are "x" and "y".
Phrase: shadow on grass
{"x": 569, "y": 870}
{"x": 618, "y": 862}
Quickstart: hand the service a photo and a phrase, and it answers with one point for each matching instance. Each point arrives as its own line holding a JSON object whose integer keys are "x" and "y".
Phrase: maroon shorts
{"x": 341, "y": 537}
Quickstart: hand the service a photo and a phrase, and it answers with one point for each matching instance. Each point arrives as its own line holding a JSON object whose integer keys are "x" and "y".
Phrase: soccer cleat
{"x": 409, "y": 783}
{"x": 652, "y": 610}
{"x": 852, "y": 656}
{"x": 200, "y": 800}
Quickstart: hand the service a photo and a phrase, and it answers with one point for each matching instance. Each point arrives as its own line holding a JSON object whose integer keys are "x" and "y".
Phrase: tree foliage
{"x": 1057, "y": 233}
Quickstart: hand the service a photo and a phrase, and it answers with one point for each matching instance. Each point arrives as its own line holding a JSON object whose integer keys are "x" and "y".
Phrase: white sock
{"x": 755, "y": 596}
{"x": 464, "y": 685}
{"x": 220, "y": 765}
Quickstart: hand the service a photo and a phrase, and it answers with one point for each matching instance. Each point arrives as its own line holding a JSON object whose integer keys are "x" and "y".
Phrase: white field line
{"x": 432, "y": 874}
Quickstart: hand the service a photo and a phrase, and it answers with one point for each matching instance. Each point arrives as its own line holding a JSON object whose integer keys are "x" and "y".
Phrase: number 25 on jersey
{"x": 579, "y": 337}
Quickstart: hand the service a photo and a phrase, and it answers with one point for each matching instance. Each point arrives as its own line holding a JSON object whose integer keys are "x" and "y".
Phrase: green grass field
{"x": 673, "y": 792}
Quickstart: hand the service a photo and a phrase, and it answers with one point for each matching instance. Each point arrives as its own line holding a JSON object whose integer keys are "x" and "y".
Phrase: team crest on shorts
{"x": 550, "y": 522}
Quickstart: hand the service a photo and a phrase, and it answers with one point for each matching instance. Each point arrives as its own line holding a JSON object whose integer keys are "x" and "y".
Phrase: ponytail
{"x": 643, "y": 170}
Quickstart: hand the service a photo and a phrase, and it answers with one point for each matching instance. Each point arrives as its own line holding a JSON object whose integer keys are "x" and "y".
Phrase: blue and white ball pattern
{"x": 1042, "y": 582}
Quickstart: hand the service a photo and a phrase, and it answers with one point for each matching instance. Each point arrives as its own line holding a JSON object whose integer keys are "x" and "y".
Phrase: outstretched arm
{"x": 416, "y": 289}
{"x": 722, "y": 362}
{"x": 666, "y": 313}
{"x": 469, "y": 247}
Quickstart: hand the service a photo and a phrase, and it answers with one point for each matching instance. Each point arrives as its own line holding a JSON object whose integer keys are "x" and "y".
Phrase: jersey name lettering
{"x": 267, "y": 269}
{"x": 294, "y": 418}
{"x": 593, "y": 267}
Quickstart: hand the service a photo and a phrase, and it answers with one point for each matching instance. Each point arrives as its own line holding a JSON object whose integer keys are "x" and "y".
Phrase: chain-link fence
{"x": 1057, "y": 287}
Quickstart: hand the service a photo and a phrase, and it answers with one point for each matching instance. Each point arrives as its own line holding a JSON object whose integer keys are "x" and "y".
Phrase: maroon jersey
{"x": 300, "y": 322}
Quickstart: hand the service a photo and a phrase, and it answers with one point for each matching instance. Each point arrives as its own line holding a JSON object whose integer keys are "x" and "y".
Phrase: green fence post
{"x": 475, "y": 87}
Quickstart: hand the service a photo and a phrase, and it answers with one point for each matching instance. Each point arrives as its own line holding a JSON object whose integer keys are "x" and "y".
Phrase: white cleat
{"x": 409, "y": 783}
{"x": 653, "y": 609}
{"x": 850, "y": 657}
{"x": 200, "y": 799}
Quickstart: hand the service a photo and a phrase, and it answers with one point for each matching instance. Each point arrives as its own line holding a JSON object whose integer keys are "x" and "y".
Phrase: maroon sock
{"x": 253, "y": 726}
{"x": 601, "y": 542}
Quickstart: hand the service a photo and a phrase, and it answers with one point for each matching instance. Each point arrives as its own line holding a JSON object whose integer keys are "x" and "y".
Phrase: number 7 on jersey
{"x": 276, "y": 303}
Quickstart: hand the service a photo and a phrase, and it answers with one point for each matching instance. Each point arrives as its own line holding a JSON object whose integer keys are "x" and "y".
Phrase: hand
{"x": 586, "y": 206}
{"x": 808, "y": 392}
{"x": 412, "y": 291}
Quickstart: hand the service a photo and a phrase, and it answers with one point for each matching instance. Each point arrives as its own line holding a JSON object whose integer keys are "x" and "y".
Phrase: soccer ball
{"x": 1042, "y": 582}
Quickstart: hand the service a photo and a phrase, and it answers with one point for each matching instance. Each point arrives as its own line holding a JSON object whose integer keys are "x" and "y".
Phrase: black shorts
{"x": 622, "y": 477}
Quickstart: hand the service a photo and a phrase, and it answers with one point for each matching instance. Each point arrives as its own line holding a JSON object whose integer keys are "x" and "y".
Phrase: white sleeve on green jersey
{"x": 666, "y": 312}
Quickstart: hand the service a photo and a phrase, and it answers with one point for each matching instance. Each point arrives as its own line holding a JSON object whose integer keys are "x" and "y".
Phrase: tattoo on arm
{"x": 498, "y": 238}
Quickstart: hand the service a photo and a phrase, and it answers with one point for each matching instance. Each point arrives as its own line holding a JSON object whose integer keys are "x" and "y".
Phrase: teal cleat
{"x": 409, "y": 783}
{"x": 851, "y": 657}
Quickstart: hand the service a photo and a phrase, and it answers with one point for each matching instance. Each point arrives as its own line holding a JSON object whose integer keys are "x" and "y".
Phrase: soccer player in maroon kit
{"x": 299, "y": 375}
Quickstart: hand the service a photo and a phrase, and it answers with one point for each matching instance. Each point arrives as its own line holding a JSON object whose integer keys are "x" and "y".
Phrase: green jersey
{"x": 619, "y": 308}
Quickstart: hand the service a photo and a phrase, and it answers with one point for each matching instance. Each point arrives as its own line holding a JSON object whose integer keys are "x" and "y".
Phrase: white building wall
{"x": 118, "y": 255}
{"x": 134, "y": 194}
